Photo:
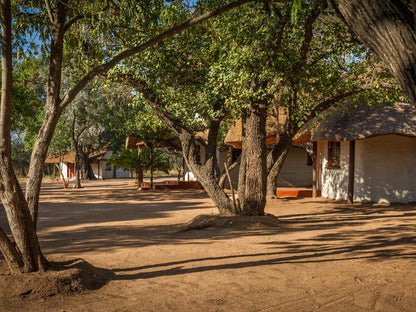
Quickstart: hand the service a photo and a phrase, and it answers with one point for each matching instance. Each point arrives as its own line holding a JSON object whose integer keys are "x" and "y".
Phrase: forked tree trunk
{"x": 204, "y": 173}
{"x": 277, "y": 159}
{"x": 387, "y": 27}
{"x": 205, "y": 176}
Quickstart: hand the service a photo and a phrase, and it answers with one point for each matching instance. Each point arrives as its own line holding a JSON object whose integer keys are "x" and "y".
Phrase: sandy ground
{"x": 326, "y": 255}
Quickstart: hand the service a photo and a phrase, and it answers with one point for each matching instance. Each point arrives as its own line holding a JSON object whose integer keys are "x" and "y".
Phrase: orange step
{"x": 295, "y": 193}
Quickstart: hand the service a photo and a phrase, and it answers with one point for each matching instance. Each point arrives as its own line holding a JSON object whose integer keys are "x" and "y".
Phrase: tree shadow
{"x": 330, "y": 232}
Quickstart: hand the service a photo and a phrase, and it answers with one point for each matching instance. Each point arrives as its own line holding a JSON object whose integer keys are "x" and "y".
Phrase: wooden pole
{"x": 151, "y": 165}
{"x": 314, "y": 170}
{"x": 236, "y": 209}
{"x": 183, "y": 167}
{"x": 139, "y": 172}
{"x": 351, "y": 167}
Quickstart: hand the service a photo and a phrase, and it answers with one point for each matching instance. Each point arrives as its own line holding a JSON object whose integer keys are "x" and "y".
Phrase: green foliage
{"x": 127, "y": 159}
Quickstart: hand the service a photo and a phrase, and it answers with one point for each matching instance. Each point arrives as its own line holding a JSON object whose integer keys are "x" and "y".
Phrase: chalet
{"x": 98, "y": 162}
{"x": 368, "y": 154}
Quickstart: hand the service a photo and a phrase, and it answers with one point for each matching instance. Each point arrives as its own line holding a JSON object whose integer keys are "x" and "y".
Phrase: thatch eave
{"x": 366, "y": 121}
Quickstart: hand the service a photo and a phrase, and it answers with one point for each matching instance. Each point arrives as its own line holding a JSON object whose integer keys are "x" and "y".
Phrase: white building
{"x": 104, "y": 171}
{"x": 98, "y": 162}
{"x": 381, "y": 141}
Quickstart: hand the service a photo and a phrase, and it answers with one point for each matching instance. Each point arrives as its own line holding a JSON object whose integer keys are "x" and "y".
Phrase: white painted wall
{"x": 385, "y": 167}
{"x": 295, "y": 171}
{"x": 102, "y": 171}
{"x": 333, "y": 182}
{"x": 64, "y": 169}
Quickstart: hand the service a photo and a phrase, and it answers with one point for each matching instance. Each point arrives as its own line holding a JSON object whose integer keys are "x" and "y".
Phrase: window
{"x": 235, "y": 154}
{"x": 108, "y": 166}
{"x": 309, "y": 159}
{"x": 334, "y": 154}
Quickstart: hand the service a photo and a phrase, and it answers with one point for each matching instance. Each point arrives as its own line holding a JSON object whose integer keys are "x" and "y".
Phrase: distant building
{"x": 97, "y": 160}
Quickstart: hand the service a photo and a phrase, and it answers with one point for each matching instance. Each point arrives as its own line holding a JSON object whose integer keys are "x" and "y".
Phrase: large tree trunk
{"x": 77, "y": 169}
{"x": 254, "y": 146}
{"x": 387, "y": 27}
{"x": 86, "y": 170}
{"x": 26, "y": 255}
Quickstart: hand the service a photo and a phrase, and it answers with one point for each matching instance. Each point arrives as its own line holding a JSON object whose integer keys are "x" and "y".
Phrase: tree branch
{"x": 130, "y": 52}
{"x": 327, "y": 103}
{"x": 49, "y": 10}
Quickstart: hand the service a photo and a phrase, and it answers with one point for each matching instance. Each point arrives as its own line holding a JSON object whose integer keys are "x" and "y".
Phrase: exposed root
{"x": 236, "y": 222}
{"x": 63, "y": 277}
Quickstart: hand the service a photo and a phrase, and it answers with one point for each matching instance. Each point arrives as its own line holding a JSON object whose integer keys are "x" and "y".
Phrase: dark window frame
{"x": 334, "y": 155}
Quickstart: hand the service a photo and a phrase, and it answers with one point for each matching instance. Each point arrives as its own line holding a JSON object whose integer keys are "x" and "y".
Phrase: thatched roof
{"x": 131, "y": 142}
{"x": 366, "y": 121}
{"x": 202, "y": 136}
{"x": 70, "y": 157}
{"x": 304, "y": 134}
{"x": 234, "y": 135}
{"x": 56, "y": 159}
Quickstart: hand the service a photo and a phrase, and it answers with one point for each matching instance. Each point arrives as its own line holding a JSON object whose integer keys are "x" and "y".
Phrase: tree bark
{"x": 388, "y": 28}
{"x": 255, "y": 161}
{"x": 53, "y": 111}
{"x": 139, "y": 169}
{"x": 10, "y": 253}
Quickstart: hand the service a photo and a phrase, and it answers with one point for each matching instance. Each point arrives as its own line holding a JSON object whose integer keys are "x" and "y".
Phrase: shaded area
{"x": 320, "y": 253}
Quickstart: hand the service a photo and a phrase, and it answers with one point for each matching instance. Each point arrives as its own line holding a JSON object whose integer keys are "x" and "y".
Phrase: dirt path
{"x": 326, "y": 256}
